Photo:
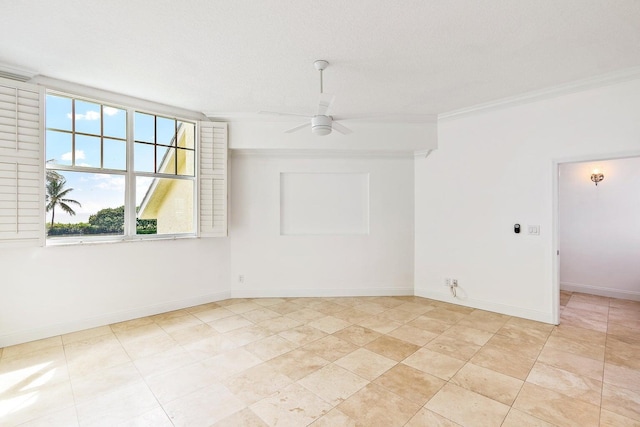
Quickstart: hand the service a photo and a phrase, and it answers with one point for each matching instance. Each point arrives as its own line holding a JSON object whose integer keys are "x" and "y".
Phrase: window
{"x": 164, "y": 169}
{"x": 178, "y": 189}
{"x": 115, "y": 171}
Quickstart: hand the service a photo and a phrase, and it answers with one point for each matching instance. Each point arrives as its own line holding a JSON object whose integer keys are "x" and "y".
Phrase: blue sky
{"x": 97, "y": 191}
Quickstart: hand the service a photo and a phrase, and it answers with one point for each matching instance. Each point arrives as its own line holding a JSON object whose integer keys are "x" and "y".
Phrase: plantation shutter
{"x": 213, "y": 179}
{"x": 21, "y": 183}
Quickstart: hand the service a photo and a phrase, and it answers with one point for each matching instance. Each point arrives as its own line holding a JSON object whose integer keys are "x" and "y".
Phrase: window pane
{"x": 115, "y": 154}
{"x": 166, "y": 159}
{"x": 87, "y": 117}
{"x": 165, "y": 131}
{"x": 58, "y": 148}
{"x": 87, "y": 151}
{"x": 58, "y": 112}
{"x": 186, "y": 162}
{"x": 115, "y": 122}
{"x": 186, "y": 134}
{"x": 166, "y": 204}
{"x": 84, "y": 204}
{"x": 144, "y": 128}
{"x": 143, "y": 158}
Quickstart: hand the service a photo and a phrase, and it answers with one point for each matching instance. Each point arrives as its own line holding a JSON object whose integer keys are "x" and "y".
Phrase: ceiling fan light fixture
{"x": 321, "y": 125}
{"x": 321, "y": 130}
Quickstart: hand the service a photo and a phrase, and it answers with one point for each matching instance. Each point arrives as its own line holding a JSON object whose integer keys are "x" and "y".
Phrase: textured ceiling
{"x": 396, "y": 57}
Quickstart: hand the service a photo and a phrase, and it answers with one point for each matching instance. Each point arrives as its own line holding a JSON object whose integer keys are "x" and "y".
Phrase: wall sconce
{"x": 597, "y": 176}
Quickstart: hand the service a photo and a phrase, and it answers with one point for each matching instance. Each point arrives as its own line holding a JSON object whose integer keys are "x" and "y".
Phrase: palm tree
{"x": 51, "y": 174}
{"x": 56, "y": 195}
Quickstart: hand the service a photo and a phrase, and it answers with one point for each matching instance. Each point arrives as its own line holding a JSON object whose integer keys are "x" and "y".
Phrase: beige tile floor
{"x": 375, "y": 361}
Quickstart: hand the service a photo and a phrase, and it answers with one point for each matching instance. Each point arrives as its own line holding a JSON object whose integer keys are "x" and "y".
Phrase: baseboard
{"x": 526, "y": 313}
{"x": 27, "y": 335}
{"x": 320, "y": 292}
{"x": 599, "y": 290}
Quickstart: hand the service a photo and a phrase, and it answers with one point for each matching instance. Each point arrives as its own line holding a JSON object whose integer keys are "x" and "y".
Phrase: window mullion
{"x": 73, "y": 132}
{"x": 130, "y": 181}
{"x": 196, "y": 178}
{"x": 101, "y": 136}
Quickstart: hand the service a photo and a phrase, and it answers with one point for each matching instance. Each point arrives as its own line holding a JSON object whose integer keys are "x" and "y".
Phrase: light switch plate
{"x": 534, "y": 229}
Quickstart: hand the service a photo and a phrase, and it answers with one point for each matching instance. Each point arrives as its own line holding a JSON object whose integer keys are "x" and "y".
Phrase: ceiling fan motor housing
{"x": 321, "y": 125}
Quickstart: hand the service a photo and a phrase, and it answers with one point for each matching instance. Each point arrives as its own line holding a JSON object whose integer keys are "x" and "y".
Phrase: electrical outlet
{"x": 447, "y": 281}
{"x": 241, "y": 278}
{"x": 454, "y": 282}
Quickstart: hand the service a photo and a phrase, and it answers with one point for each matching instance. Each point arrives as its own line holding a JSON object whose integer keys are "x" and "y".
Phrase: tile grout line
{"x": 604, "y": 363}
{"x": 525, "y": 380}
{"x": 73, "y": 392}
{"x": 305, "y": 322}
{"x": 144, "y": 379}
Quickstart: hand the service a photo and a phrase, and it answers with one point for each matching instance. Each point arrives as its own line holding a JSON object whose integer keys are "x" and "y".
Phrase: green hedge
{"x": 143, "y": 226}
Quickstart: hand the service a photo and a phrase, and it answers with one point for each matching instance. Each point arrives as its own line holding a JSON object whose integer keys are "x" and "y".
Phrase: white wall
{"x": 53, "y": 290}
{"x": 366, "y": 136}
{"x": 378, "y": 263}
{"x": 496, "y": 168}
{"x": 599, "y": 228}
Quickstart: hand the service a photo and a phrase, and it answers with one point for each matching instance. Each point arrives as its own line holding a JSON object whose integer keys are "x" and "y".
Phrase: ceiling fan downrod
{"x": 320, "y": 65}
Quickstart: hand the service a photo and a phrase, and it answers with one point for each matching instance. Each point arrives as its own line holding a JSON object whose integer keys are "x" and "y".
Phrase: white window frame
{"x": 130, "y": 177}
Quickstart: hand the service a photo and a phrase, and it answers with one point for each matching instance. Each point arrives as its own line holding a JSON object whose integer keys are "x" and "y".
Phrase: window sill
{"x": 71, "y": 241}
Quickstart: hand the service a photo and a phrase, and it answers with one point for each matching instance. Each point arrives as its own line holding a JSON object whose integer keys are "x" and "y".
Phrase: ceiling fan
{"x": 321, "y": 123}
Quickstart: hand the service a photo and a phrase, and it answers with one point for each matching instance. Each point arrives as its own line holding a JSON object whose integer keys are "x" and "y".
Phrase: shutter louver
{"x": 21, "y": 185}
{"x": 213, "y": 179}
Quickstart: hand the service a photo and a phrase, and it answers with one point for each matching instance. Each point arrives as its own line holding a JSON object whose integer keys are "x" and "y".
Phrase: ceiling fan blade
{"x": 276, "y": 113}
{"x": 324, "y": 103}
{"x": 340, "y": 128}
{"x": 302, "y": 126}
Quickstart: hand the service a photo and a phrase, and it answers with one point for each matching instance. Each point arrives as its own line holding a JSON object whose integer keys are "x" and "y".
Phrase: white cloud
{"x": 95, "y": 115}
{"x": 108, "y": 182}
{"x": 91, "y": 115}
{"x": 110, "y": 111}
{"x": 79, "y": 155}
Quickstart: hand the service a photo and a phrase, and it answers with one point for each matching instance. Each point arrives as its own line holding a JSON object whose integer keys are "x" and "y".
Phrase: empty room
{"x": 320, "y": 213}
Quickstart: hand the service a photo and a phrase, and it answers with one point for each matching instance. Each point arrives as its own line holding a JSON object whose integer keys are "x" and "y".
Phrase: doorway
{"x": 596, "y": 236}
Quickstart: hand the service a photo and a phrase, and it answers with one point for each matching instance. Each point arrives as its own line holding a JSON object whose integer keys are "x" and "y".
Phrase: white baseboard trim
{"x": 600, "y": 290}
{"x": 539, "y": 316}
{"x": 27, "y": 335}
{"x": 321, "y": 292}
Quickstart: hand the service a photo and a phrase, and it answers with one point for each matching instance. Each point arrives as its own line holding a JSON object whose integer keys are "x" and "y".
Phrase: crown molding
{"x": 314, "y": 153}
{"x": 551, "y": 92}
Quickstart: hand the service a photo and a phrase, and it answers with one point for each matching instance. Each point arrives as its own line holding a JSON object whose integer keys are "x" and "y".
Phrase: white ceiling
{"x": 397, "y": 57}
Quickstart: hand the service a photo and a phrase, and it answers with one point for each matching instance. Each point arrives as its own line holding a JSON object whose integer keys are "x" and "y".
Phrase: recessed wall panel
{"x": 324, "y": 203}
